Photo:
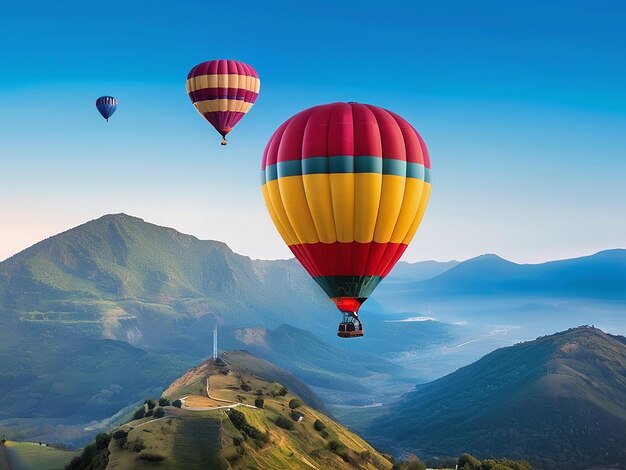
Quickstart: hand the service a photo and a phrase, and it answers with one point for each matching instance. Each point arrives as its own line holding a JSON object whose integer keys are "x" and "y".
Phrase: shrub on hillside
{"x": 504, "y": 464}
{"x": 412, "y": 463}
{"x": 324, "y": 433}
{"x": 164, "y": 402}
{"x": 295, "y": 403}
{"x": 335, "y": 446}
{"x": 120, "y": 437}
{"x": 284, "y": 423}
{"x": 240, "y": 422}
{"x": 319, "y": 425}
{"x": 177, "y": 403}
{"x": 237, "y": 440}
{"x": 137, "y": 445}
{"x": 159, "y": 413}
{"x": 140, "y": 413}
{"x": 119, "y": 434}
{"x": 296, "y": 415}
{"x": 151, "y": 457}
{"x": 259, "y": 402}
{"x": 468, "y": 462}
{"x": 245, "y": 387}
{"x": 102, "y": 440}
{"x": 151, "y": 403}
{"x": 282, "y": 391}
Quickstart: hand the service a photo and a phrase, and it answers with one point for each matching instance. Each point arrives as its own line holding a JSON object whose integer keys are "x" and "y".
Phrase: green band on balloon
{"x": 345, "y": 164}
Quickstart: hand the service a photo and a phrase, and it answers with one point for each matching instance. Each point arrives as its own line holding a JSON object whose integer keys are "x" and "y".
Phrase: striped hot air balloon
{"x": 346, "y": 185}
{"x": 106, "y": 106}
{"x": 223, "y": 91}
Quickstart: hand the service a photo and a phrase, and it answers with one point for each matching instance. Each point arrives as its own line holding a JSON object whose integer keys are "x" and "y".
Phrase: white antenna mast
{"x": 215, "y": 343}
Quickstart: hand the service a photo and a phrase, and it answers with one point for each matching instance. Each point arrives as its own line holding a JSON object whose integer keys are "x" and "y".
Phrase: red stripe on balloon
{"x": 348, "y": 259}
{"x": 223, "y": 93}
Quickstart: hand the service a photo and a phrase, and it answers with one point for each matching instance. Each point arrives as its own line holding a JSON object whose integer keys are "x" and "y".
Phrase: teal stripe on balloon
{"x": 345, "y": 164}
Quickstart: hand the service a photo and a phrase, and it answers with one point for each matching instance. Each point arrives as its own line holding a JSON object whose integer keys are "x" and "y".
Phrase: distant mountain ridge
{"x": 599, "y": 275}
{"x": 558, "y": 401}
{"x": 420, "y": 270}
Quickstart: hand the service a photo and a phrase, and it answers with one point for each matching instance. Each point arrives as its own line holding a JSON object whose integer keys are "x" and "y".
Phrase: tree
{"x": 119, "y": 434}
{"x": 159, "y": 413}
{"x": 284, "y": 423}
{"x": 151, "y": 403}
{"x": 140, "y": 413}
{"x": 102, "y": 440}
{"x": 282, "y": 391}
{"x": 177, "y": 403}
{"x": 149, "y": 413}
{"x": 319, "y": 425}
{"x": 335, "y": 446}
{"x": 259, "y": 402}
{"x": 468, "y": 462}
{"x": 412, "y": 463}
{"x": 295, "y": 403}
{"x": 164, "y": 402}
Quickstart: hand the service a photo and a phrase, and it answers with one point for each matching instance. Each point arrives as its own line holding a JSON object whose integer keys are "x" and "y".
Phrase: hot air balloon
{"x": 106, "y": 106}
{"x": 346, "y": 186}
{"x": 223, "y": 91}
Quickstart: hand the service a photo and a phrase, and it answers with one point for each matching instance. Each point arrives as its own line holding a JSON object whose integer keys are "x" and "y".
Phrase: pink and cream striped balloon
{"x": 223, "y": 91}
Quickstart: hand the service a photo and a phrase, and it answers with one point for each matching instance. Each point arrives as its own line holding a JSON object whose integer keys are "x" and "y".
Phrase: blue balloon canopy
{"x": 106, "y": 106}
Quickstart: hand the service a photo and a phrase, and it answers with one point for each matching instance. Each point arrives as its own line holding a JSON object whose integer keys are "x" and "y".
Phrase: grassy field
{"x": 33, "y": 456}
{"x": 196, "y": 444}
{"x": 186, "y": 440}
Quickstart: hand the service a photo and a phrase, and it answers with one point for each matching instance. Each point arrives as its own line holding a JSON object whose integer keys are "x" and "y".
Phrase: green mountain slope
{"x": 558, "y": 401}
{"x": 222, "y": 424}
{"x": 118, "y": 270}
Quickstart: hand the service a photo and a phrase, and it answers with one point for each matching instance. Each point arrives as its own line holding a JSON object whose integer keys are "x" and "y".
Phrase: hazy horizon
{"x": 290, "y": 256}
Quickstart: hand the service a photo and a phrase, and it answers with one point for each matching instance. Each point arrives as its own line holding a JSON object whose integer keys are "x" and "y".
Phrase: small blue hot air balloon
{"x": 106, "y": 106}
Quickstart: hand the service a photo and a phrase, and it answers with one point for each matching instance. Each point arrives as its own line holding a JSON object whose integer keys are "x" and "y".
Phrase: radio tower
{"x": 215, "y": 343}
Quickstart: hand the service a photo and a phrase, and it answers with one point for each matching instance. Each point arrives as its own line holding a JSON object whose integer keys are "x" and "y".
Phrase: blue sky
{"x": 522, "y": 105}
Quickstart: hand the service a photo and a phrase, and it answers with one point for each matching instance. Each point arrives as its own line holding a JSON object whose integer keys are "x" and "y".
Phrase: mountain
{"x": 558, "y": 401}
{"x": 602, "y": 275}
{"x": 419, "y": 271}
{"x": 116, "y": 272}
{"x": 233, "y": 414}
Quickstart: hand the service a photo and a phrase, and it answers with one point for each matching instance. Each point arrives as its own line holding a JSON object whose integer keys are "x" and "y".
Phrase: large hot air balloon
{"x": 223, "y": 91}
{"x": 346, "y": 185}
{"x": 106, "y": 106}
